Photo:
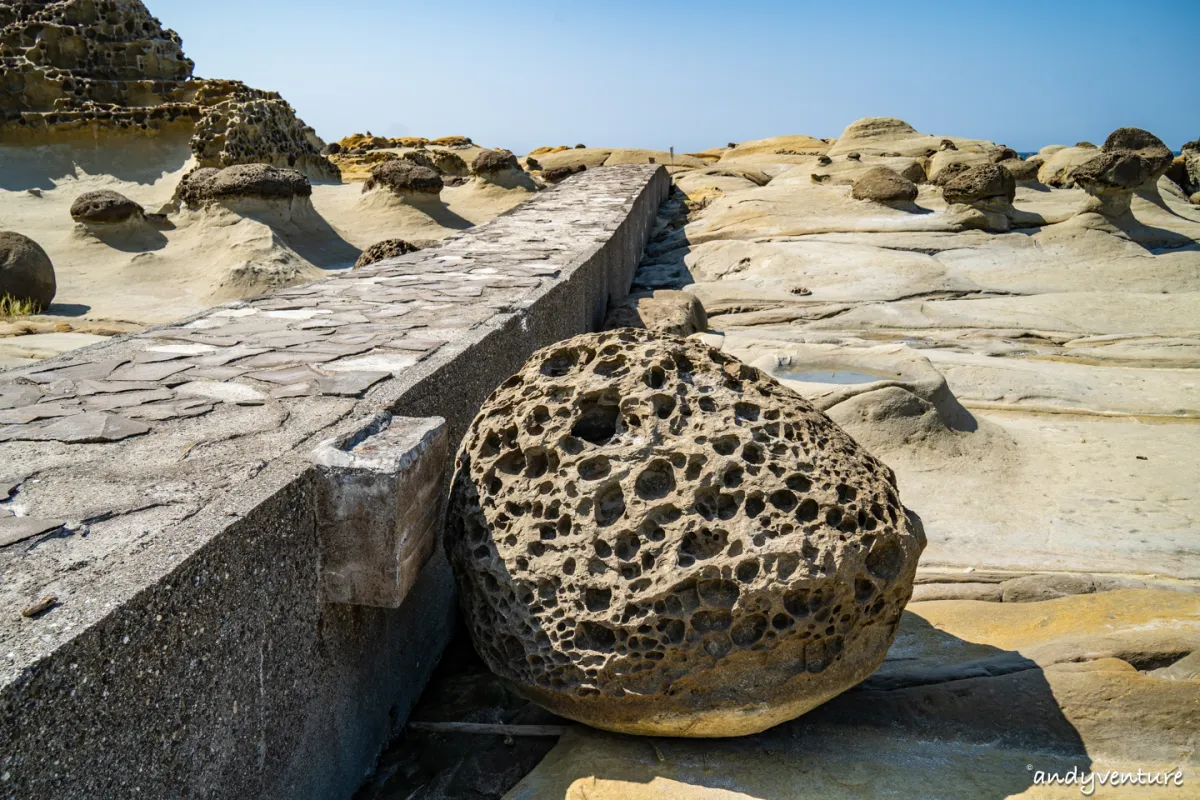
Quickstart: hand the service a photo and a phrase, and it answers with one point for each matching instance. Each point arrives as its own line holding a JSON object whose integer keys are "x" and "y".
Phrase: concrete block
{"x": 380, "y": 494}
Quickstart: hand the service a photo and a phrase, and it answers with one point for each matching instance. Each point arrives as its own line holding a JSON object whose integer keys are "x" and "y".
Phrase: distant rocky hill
{"x": 81, "y": 69}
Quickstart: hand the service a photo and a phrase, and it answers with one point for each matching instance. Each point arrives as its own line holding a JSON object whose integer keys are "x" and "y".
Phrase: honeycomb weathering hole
{"x": 652, "y": 537}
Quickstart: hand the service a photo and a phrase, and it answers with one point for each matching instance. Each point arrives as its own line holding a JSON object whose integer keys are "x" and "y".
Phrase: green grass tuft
{"x": 17, "y": 307}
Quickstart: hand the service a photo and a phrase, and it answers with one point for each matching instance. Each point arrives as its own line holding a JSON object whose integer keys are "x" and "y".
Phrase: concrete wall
{"x": 220, "y": 673}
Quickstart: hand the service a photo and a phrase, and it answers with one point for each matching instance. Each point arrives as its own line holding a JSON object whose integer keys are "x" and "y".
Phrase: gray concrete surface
{"x": 160, "y": 487}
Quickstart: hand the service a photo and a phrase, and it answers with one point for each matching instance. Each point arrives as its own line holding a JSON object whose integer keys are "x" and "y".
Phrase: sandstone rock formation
{"x": 81, "y": 69}
{"x": 493, "y": 161}
{"x": 665, "y": 311}
{"x": 105, "y": 207}
{"x": 884, "y": 185}
{"x": 655, "y": 538}
{"x": 388, "y": 248}
{"x": 985, "y": 186}
{"x": 448, "y": 163}
{"x": 26, "y": 273}
{"x": 405, "y": 179}
{"x": 207, "y": 184}
{"x": 1130, "y": 159}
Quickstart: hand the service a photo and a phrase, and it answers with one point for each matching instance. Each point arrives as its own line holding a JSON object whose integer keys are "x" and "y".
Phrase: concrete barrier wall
{"x": 189, "y": 653}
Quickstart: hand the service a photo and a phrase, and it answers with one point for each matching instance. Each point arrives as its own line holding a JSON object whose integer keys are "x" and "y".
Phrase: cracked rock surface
{"x": 652, "y": 537}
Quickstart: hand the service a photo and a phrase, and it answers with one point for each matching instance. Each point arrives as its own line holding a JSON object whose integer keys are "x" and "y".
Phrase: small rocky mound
{"x": 405, "y": 179}
{"x": 453, "y": 141}
{"x": 207, "y": 184}
{"x": 532, "y": 164}
{"x": 983, "y": 186}
{"x": 26, "y": 273}
{"x": 490, "y": 162}
{"x": 388, "y": 248}
{"x": 448, "y": 163}
{"x": 666, "y": 311}
{"x": 105, "y": 207}
{"x": 1022, "y": 169}
{"x": 1130, "y": 158}
{"x": 418, "y": 157}
{"x": 884, "y": 185}
{"x": 560, "y": 174}
{"x": 652, "y": 537}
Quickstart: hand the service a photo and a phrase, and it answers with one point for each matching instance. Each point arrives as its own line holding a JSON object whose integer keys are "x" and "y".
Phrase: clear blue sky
{"x": 698, "y": 74}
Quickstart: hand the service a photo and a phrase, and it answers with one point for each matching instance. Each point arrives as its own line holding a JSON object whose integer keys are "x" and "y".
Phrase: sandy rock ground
{"x": 1037, "y": 391}
{"x": 166, "y": 269}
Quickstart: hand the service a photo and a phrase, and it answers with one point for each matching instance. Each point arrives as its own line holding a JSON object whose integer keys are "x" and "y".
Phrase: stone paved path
{"x": 106, "y": 452}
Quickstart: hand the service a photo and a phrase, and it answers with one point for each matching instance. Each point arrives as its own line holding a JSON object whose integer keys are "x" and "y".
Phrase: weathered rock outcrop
{"x": 405, "y": 179}
{"x": 667, "y": 311}
{"x": 652, "y": 537}
{"x": 560, "y": 174}
{"x": 884, "y": 185}
{"x": 1130, "y": 159}
{"x": 985, "y": 186}
{"x": 388, "y": 248}
{"x": 80, "y": 69}
{"x": 490, "y": 162}
{"x": 105, "y": 207}
{"x": 26, "y": 273}
{"x": 207, "y": 184}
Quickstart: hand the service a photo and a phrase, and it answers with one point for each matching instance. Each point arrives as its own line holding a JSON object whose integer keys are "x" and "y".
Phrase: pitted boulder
{"x": 105, "y": 207}
{"x": 984, "y": 186}
{"x": 26, "y": 272}
{"x": 493, "y": 161}
{"x": 206, "y": 185}
{"x": 405, "y": 179}
{"x": 651, "y": 537}
{"x": 884, "y": 185}
{"x": 1130, "y": 159}
{"x": 388, "y": 248}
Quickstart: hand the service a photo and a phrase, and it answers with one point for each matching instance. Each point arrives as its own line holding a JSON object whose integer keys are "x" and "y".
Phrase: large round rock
{"x": 26, "y": 273}
{"x": 652, "y": 537}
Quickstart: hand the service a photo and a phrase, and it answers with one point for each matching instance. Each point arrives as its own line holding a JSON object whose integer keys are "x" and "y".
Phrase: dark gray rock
{"x": 404, "y": 177}
{"x": 25, "y": 270}
{"x": 206, "y": 185}
{"x": 105, "y": 207}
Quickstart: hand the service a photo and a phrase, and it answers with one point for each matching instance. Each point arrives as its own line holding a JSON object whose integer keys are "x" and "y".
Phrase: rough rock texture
{"x": 884, "y": 185}
{"x": 105, "y": 207}
{"x": 207, "y": 184}
{"x": 405, "y": 179}
{"x": 388, "y": 248}
{"x": 983, "y": 185}
{"x": 1022, "y": 169}
{"x": 25, "y": 270}
{"x": 560, "y": 174}
{"x": 85, "y": 68}
{"x": 1130, "y": 158}
{"x": 491, "y": 161}
{"x": 449, "y": 163}
{"x": 655, "y": 538}
{"x": 663, "y": 311}
{"x": 949, "y": 172}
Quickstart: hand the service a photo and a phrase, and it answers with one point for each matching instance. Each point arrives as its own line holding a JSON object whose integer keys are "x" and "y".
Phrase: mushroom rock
{"x": 984, "y": 186}
{"x": 884, "y": 185}
{"x": 105, "y": 207}
{"x": 651, "y": 537}
{"x": 1130, "y": 159}
{"x": 500, "y": 167}
{"x": 26, "y": 273}
{"x": 405, "y": 180}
